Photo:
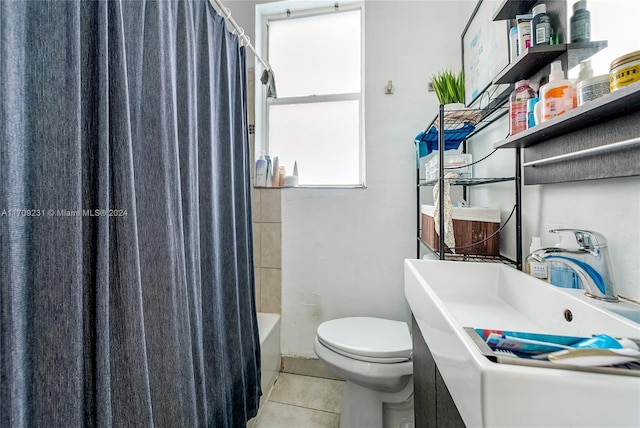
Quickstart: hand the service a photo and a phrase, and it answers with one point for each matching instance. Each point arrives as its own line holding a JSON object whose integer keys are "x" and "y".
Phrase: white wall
{"x": 244, "y": 12}
{"x": 611, "y": 207}
{"x": 343, "y": 249}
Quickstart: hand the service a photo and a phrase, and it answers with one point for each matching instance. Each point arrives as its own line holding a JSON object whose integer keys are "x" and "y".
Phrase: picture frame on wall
{"x": 485, "y": 53}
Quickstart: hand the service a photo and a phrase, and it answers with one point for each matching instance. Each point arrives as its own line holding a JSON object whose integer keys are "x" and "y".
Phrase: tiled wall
{"x": 267, "y": 249}
{"x": 267, "y": 226}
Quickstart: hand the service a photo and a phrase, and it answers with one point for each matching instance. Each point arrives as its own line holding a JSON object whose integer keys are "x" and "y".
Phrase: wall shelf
{"x": 529, "y": 63}
{"x": 468, "y": 181}
{"x": 486, "y": 117}
{"x": 584, "y": 50}
{"x": 613, "y": 105}
{"x": 470, "y": 257}
{"x": 510, "y": 8}
{"x": 536, "y": 58}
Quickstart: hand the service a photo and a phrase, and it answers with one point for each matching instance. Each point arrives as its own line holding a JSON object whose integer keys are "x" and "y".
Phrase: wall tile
{"x": 278, "y": 415}
{"x": 258, "y": 283}
{"x": 257, "y": 238}
{"x": 255, "y": 205}
{"x": 270, "y": 290}
{"x": 312, "y": 367}
{"x": 309, "y": 392}
{"x": 270, "y": 245}
{"x": 270, "y": 208}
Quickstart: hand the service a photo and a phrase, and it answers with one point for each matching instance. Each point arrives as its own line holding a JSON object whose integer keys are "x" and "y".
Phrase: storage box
{"x": 470, "y": 225}
{"x": 458, "y": 163}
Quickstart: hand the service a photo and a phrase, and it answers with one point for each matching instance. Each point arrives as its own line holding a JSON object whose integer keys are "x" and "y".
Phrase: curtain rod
{"x": 240, "y": 31}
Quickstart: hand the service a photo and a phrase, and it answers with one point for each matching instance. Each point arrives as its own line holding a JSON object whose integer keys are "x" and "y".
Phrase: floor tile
{"x": 279, "y": 415}
{"x": 310, "y": 392}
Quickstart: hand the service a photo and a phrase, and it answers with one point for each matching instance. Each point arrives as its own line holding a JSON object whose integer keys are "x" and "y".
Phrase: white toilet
{"x": 374, "y": 357}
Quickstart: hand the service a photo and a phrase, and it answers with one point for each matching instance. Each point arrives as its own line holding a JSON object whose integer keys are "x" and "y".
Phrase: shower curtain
{"x": 126, "y": 271}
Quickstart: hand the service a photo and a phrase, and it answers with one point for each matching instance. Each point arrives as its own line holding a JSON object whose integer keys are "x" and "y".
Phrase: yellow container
{"x": 624, "y": 71}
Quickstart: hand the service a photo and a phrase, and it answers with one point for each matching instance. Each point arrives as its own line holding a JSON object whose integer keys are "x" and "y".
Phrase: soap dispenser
{"x": 534, "y": 265}
{"x": 558, "y": 96}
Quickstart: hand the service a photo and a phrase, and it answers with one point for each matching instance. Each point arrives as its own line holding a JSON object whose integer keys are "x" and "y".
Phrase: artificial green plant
{"x": 449, "y": 87}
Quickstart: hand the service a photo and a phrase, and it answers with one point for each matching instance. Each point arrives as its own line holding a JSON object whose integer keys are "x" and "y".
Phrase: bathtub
{"x": 269, "y": 331}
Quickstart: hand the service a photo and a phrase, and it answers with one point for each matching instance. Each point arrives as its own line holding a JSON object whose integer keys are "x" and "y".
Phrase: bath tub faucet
{"x": 589, "y": 260}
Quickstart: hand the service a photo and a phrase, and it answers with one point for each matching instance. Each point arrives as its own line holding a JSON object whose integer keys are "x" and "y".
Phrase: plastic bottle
{"x": 559, "y": 274}
{"x": 261, "y": 172}
{"x": 275, "y": 178}
{"x": 534, "y": 267}
{"x": 535, "y": 244}
{"x": 518, "y": 106}
{"x": 558, "y": 96}
{"x": 269, "y": 174}
{"x": 540, "y": 26}
{"x": 513, "y": 44}
{"x": 585, "y": 70}
{"x": 580, "y": 22}
{"x": 524, "y": 32}
{"x": 531, "y": 119}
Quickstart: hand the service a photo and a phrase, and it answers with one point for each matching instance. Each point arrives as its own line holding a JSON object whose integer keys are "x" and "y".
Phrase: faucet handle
{"x": 586, "y": 239}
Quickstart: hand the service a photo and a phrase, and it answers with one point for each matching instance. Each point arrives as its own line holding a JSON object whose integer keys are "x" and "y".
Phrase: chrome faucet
{"x": 589, "y": 260}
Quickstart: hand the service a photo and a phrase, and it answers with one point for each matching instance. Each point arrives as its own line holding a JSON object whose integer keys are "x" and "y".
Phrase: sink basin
{"x": 623, "y": 308}
{"x": 447, "y": 296}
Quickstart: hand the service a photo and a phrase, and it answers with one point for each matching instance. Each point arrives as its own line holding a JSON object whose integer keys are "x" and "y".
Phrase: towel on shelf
{"x": 268, "y": 78}
{"x": 428, "y": 141}
{"x": 449, "y": 236}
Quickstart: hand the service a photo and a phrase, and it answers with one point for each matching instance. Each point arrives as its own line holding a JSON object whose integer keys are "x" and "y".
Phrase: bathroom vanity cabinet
{"x": 434, "y": 406}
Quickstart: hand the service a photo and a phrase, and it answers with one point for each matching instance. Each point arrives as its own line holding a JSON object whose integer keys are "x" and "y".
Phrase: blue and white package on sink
{"x": 528, "y": 343}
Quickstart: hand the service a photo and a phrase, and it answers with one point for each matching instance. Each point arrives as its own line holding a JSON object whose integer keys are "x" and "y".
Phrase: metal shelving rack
{"x": 487, "y": 116}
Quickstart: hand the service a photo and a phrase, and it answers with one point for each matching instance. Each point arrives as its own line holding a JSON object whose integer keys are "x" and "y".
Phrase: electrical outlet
{"x": 430, "y": 86}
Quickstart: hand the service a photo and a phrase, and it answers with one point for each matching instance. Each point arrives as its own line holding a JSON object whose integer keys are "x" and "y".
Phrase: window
{"x": 317, "y": 119}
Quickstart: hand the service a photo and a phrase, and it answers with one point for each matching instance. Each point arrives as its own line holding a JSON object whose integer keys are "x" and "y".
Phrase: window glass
{"x": 316, "y": 55}
{"x": 323, "y": 138}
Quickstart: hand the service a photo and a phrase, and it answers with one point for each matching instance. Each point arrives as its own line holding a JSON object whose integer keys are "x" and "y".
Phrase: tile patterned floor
{"x": 302, "y": 401}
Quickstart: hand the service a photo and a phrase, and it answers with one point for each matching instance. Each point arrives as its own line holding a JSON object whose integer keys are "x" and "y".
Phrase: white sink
{"x": 447, "y": 296}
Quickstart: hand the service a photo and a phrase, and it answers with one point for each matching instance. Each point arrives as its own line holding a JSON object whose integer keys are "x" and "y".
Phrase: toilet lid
{"x": 368, "y": 339}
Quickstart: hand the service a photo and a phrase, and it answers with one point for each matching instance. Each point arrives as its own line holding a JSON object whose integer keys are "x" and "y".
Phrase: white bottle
{"x": 261, "y": 172}
{"x": 558, "y": 96}
{"x": 535, "y": 244}
{"x": 585, "y": 70}
{"x": 275, "y": 180}
{"x": 532, "y": 266}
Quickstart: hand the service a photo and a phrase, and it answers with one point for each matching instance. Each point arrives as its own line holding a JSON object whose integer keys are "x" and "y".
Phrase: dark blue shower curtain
{"x": 127, "y": 293}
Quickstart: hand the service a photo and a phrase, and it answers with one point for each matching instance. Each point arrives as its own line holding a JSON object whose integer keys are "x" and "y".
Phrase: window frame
{"x": 294, "y": 10}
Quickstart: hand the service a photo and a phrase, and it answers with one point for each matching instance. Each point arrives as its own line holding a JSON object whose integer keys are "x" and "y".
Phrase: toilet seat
{"x": 367, "y": 339}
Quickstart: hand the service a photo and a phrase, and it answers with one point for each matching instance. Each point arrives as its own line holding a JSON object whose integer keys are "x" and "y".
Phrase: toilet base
{"x": 398, "y": 415}
{"x": 366, "y": 408}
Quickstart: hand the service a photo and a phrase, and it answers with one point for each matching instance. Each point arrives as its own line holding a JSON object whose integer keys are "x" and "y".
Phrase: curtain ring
{"x": 227, "y": 13}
